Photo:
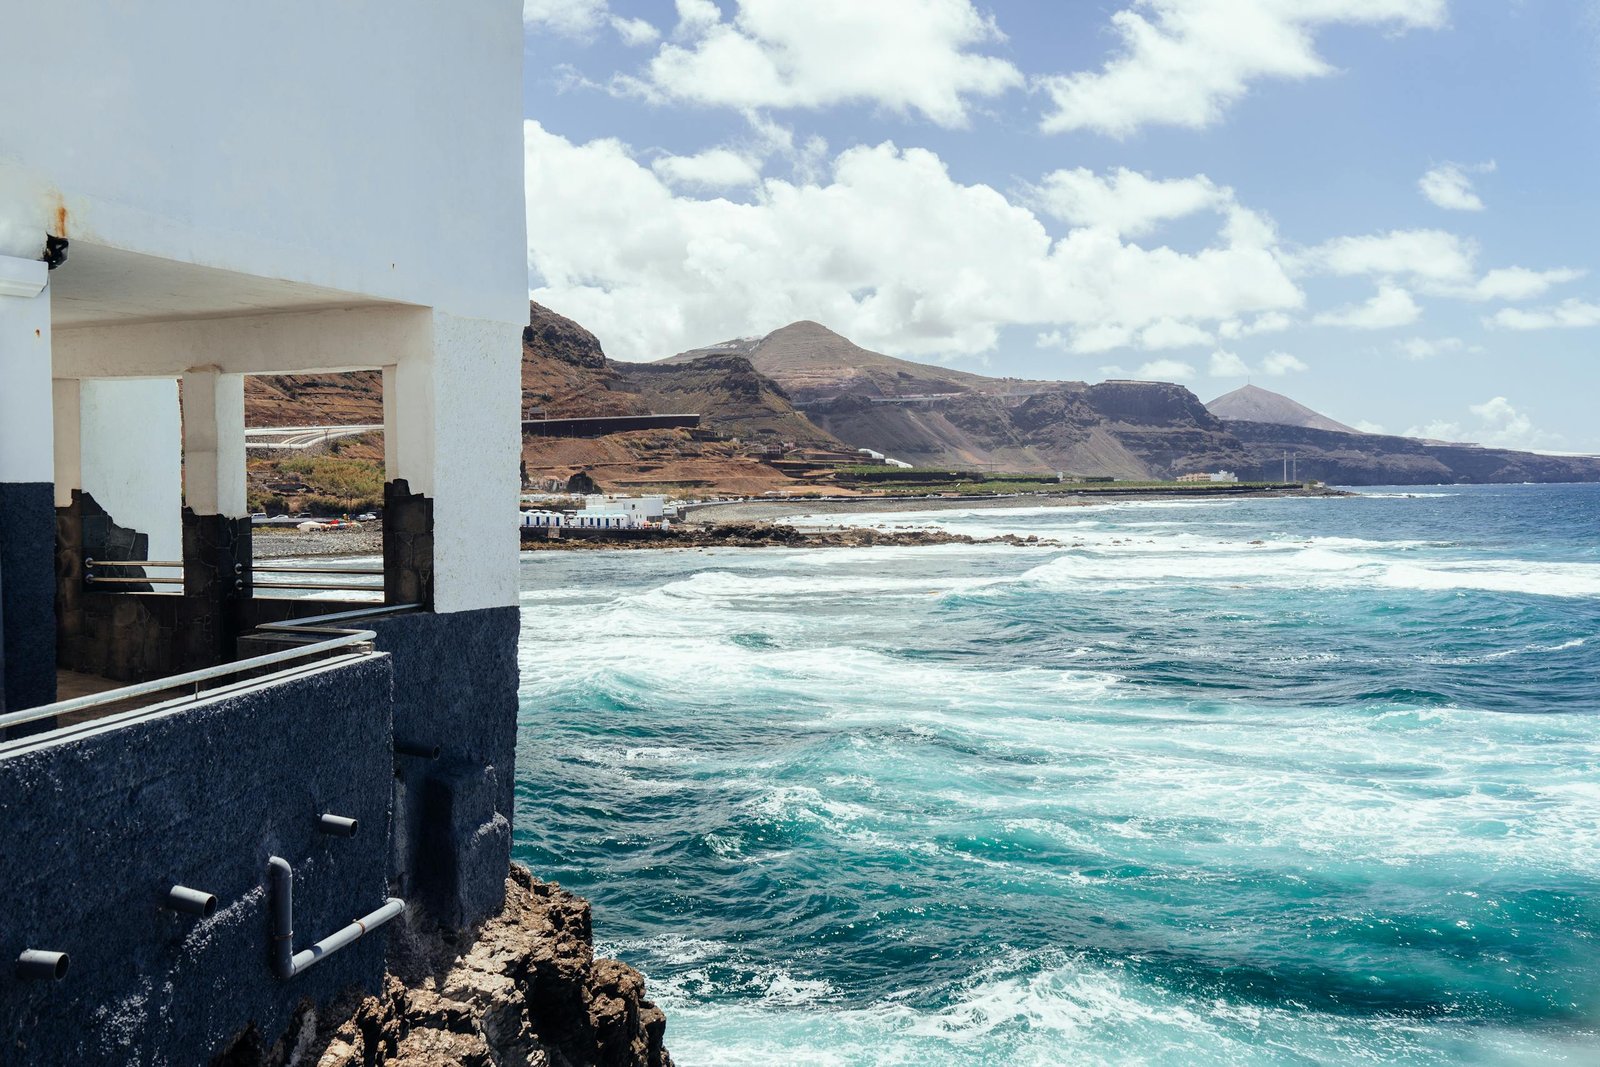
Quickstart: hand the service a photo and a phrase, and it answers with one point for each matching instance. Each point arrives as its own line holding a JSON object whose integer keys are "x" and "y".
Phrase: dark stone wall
{"x": 27, "y": 595}
{"x": 407, "y": 545}
{"x": 455, "y": 687}
{"x": 94, "y": 830}
{"x": 134, "y": 634}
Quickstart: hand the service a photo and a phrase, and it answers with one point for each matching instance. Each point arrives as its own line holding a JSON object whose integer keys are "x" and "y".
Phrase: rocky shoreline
{"x": 781, "y": 535}
{"x": 527, "y": 990}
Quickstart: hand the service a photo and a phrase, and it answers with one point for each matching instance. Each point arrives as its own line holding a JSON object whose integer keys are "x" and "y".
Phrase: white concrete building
{"x": 192, "y": 192}
{"x": 542, "y": 520}
{"x": 327, "y": 187}
{"x": 639, "y": 508}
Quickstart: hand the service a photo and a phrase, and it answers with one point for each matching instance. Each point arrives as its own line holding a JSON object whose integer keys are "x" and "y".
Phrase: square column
{"x": 213, "y": 443}
{"x": 452, "y": 442}
{"x": 27, "y": 497}
{"x": 216, "y": 522}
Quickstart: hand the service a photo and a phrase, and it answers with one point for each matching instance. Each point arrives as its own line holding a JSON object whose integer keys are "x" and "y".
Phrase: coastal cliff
{"x": 526, "y": 990}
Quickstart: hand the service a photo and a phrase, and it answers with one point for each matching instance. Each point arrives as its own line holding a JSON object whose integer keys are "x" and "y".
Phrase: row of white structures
{"x": 601, "y": 513}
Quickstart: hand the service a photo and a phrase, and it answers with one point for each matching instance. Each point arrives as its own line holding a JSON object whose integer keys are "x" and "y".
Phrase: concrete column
{"x": 216, "y": 522}
{"x": 66, "y": 397}
{"x": 27, "y": 497}
{"x": 453, "y": 435}
{"x": 213, "y": 443}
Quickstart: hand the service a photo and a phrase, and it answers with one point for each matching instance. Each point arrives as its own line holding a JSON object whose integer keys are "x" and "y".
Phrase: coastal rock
{"x": 528, "y": 992}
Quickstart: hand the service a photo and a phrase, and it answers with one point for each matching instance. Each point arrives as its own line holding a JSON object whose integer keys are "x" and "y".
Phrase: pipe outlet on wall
{"x": 191, "y": 901}
{"x": 336, "y": 825}
{"x": 38, "y": 966}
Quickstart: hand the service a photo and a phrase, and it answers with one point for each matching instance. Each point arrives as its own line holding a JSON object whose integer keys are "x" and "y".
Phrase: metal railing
{"x": 337, "y": 637}
{"x": 342, "y": 572}
{"x": 91, "y": 577}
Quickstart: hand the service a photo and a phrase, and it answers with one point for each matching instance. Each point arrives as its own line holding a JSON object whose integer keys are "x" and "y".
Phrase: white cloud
{"x": 1419, "y": 348}
{"x": 1267, "y": 322}
{"x": 1500, "y": 424}
{"x": 1126, "y": 201}
{"x": 1184, "y": 62}
{"x": 635, "y": 33}
{"x": 910, "y": 56}
{"x": 1435, "y": 261}
{"x": 654, "y": 270}
{"x": 1168, "y": 333}
{"x": 1227, "y": 365}
{"x": 568, "y": 18}
{"x": 1569, "y": 314}
{"x": 1368, "y": 427}
{"x": 1520, "y": 283}
{"x": 1433, "y": 255}
{"x": 1389, "y": 308}
{"x": 1278, "y": 364}
{"x": 718, "y": 168}
{"x": 1449, "y": 187}
{"x": 1166, "y": 370}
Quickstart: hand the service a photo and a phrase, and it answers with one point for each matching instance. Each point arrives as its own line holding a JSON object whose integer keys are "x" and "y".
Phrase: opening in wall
{"x": 315, "y": 475}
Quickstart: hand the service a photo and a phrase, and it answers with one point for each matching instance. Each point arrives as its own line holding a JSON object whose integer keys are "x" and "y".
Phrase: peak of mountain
{"x": 814, "y": 363}
{"x": 1251, "y": 403}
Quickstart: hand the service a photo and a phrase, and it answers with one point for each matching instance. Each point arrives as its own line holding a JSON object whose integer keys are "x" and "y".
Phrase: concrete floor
{"x": 71, "y": 685}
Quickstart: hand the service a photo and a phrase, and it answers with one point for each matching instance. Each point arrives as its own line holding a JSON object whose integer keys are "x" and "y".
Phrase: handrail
{"x": 132, "y": 563}
{"x": 345, "y": 638}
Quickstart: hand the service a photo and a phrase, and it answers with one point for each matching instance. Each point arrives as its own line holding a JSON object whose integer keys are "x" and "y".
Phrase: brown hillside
{"x": 811, "y": 362}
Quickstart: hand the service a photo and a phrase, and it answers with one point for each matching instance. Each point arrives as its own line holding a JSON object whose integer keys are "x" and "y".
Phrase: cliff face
{"x": 730, "y": 394}
{"x": 1127, "y": 429}
{"x": 1376, "y": 459}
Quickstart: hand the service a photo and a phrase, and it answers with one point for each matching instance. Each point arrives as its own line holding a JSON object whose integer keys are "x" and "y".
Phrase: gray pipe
{"x": 286, "y": 962}
{"x": 280, "y": 886}
{"x": 336, "y": 825}
{"x": 38, "y": 966}
{"x": 191, "y": 901}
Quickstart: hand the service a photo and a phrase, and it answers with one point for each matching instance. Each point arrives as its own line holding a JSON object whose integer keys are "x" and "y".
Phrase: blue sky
{"x": 1384, "y": 208}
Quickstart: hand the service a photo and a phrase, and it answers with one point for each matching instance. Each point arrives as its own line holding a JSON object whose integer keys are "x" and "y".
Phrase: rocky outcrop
{"x": 558, "y": 337}
{"x": 742, "y": 534}
{"x": 527, "y": 991}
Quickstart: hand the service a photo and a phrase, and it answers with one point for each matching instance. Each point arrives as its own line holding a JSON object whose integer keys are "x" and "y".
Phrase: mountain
{"x": 1351, "y": 458}
{"x": 807, "y": 385}
{"x": 731, "y": 396}
{"x": 1251, "y": 403}
{"x": 813, "y": 363}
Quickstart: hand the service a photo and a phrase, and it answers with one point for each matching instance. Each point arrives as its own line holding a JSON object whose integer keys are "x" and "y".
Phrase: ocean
{"x": 1258, "y": 781}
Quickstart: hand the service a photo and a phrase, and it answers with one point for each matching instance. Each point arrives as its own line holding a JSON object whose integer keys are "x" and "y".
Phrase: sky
{"x": 1382, "y": 208}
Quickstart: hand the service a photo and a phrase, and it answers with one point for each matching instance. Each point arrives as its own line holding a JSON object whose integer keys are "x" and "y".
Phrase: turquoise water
{"x": 1258, "y": 781}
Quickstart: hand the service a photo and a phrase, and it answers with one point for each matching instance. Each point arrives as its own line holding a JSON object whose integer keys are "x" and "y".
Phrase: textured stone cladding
{"x": 27, "y": 594}
{"x": 132, "y": 634}
{"x": 455, "y": 686}
{"x": 407, "y": 545}
{"x": 94, "y": 831}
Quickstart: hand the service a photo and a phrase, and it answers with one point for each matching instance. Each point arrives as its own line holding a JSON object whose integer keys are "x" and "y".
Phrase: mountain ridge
{"x": 1251, "y": 403}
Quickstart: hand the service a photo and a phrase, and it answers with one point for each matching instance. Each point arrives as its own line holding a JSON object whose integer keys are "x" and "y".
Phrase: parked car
{"x": 367, "y": 516}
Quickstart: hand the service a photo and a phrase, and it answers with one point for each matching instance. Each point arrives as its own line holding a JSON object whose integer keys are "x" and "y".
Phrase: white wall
{"x": 361, "y": 149}
{"x": 26, "y": 439}
{"x": 369, "y": 146}
{"x": 131, "y": 458}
